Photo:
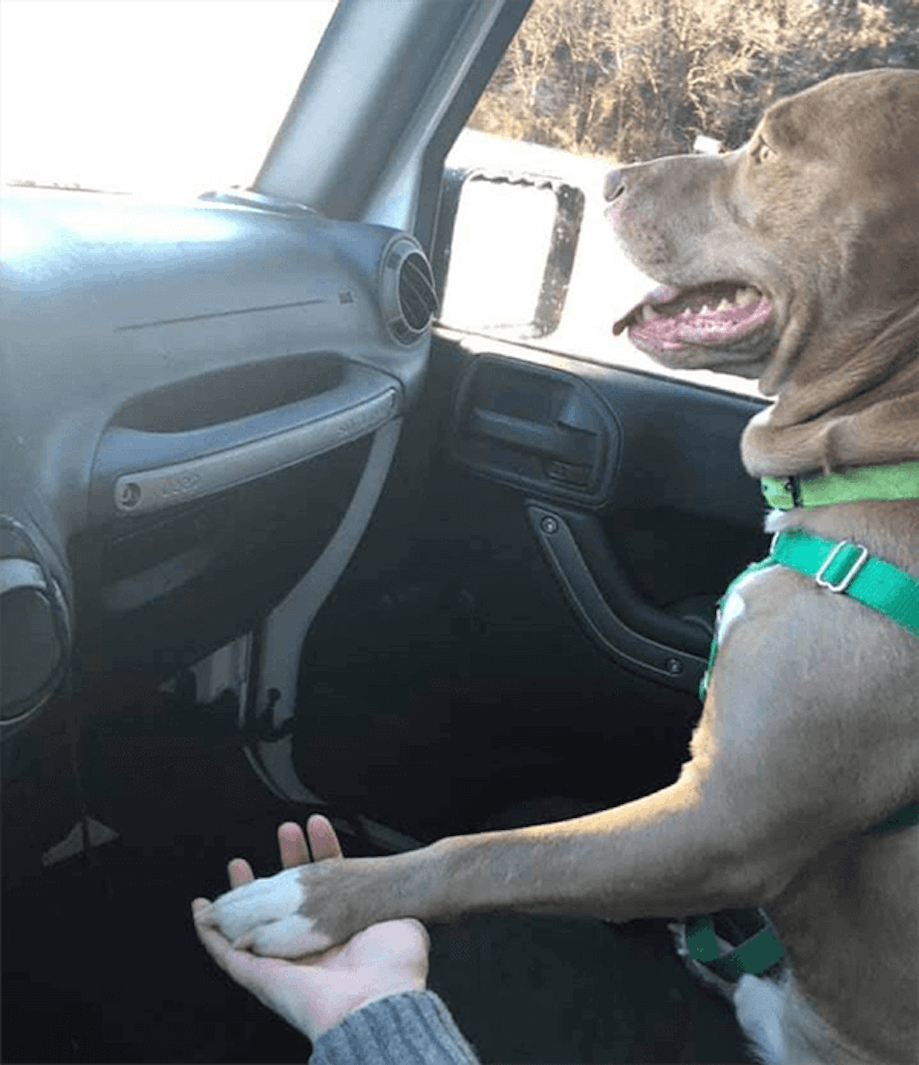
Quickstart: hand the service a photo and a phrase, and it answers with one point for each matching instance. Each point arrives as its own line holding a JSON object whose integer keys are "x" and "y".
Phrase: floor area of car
{"x": 100, "y": 963}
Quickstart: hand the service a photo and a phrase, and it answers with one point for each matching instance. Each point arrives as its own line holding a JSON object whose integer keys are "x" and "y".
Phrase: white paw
{"x": 291, "y": 937}
{"x": 262, "y": 916}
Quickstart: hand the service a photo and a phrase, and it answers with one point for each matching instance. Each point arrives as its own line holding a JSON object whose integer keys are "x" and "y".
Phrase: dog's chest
{"x": 733, "y": 605}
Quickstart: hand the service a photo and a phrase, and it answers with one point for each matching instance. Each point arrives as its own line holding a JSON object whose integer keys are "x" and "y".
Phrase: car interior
{"x": 274, "y": 539}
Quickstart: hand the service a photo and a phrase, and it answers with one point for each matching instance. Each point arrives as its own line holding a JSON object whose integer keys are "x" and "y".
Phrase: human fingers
{"x": 239, "y": 872}
{"x": 292, "y": 845}
{"x": 323, "y": 839}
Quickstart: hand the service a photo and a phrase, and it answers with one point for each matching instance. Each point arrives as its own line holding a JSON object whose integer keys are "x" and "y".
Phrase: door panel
{"x": 612, "y": 443}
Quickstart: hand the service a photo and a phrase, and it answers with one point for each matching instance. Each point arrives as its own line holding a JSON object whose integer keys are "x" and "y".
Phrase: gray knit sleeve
{"x": 403, "y": 1029}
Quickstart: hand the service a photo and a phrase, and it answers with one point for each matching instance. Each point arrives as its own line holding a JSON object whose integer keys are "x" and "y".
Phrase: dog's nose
{"x": 613, "y": 185}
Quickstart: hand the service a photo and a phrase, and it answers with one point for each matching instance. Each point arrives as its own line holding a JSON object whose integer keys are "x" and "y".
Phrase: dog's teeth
{"x": 705, "y": 309}
{"x": 648, "y": 313}
{"x": 724, "y": 305}
{"x": 685, "y": 313}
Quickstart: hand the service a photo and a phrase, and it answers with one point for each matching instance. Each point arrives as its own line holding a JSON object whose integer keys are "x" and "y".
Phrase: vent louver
{"x": 407, "y": 291}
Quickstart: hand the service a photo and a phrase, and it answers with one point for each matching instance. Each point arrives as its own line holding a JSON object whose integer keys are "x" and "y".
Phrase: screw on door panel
{"x": 549, "y": 525}
{"x": 673, "y": 666}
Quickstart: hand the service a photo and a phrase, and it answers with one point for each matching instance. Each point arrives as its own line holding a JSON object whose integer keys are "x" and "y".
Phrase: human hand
{"x": 315, "y": 992}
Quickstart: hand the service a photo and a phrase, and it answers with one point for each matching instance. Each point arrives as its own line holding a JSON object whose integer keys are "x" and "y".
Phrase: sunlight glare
{"x": 145, "y": 95}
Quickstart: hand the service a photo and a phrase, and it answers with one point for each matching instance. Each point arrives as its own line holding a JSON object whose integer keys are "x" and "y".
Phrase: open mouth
{"x": 720, "y": 313}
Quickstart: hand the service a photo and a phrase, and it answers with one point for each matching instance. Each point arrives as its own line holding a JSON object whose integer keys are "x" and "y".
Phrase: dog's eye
{"x": 761, "y": 152}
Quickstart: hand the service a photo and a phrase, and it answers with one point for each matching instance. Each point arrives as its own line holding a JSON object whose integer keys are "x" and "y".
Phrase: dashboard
{"x": 188, "y": 397}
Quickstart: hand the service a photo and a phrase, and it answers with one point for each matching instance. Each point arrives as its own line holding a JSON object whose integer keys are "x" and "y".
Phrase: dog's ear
{"x": 787, "y": 127}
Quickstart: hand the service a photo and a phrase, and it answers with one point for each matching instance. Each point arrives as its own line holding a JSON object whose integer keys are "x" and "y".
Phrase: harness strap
{"x": 840, "y": 567}
{"x": 755, "y": 955}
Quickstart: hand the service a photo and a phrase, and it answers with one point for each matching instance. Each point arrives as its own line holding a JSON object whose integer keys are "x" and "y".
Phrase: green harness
{"x": 841, "y": 568}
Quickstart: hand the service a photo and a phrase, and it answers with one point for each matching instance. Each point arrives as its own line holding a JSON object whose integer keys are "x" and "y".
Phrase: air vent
{"x": 407, "y": 291}
{"x": 416, "y": 292}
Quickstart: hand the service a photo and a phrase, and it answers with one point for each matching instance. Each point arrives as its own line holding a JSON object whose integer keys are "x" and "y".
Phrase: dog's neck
{"x": 864, "y": 413}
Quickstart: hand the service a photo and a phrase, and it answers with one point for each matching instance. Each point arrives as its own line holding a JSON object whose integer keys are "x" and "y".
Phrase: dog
{"x": 794, "y": 261}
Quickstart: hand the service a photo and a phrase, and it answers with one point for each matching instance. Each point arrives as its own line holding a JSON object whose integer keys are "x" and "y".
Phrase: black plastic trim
{"x": 616, "y": 588}
{"x": 670, "y": 665}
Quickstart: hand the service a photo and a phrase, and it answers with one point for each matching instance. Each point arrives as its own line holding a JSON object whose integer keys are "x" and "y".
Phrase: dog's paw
{"x": 291, "y": 937}
{"x": 263, "y": 917}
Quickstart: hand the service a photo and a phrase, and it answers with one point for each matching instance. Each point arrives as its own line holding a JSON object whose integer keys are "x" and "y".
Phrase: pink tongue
{"x": 716, "y": 326}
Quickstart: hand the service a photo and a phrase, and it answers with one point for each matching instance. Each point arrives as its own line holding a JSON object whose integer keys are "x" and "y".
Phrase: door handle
{"x": 142, "y": 472}
{"x": 575, "y": 446}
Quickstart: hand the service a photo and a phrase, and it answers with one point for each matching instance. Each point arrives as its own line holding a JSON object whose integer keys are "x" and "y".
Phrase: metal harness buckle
{"x": 852, "y": 572}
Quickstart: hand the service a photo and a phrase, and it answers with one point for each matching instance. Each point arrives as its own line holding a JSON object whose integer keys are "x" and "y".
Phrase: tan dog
{"x": 805, "y": 247}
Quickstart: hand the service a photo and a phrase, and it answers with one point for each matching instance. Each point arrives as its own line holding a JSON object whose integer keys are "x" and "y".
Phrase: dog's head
{"x": 791, "y": 255}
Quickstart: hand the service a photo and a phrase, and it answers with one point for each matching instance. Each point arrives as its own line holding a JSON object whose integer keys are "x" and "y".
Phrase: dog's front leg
{"x": 662, "y": 855}
{"x": 784, "y": 762}
{"x": 658, "y": 856}
{"x": 679, "y": 851}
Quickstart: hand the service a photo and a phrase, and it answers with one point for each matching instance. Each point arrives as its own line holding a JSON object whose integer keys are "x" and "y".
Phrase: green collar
{"x": 899, "y": 481}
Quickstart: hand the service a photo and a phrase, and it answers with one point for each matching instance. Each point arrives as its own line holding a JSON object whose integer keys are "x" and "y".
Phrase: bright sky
{"x": 149, "y": 95}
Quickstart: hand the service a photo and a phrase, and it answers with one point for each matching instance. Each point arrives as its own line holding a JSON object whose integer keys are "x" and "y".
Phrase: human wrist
{"x": 323, "y": 1021}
